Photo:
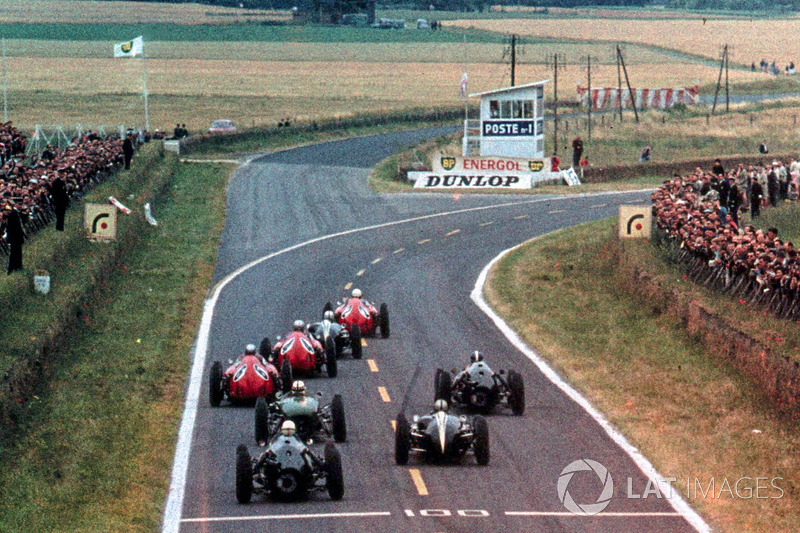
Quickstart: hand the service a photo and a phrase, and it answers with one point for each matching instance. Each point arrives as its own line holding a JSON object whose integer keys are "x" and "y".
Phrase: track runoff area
{"x": 560, "y": 466}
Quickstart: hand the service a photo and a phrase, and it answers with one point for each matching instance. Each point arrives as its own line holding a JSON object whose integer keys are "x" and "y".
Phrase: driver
{"x": 438, "y": 405}
{"x": 475, "y": 363}
{"x": 328, "y": 315}
{"x": 298, "y": 389}
{"x": 250, "y": 351}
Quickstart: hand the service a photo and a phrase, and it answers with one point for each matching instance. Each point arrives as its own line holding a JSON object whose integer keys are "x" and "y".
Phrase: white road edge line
{"x": 578, "y": 515}
{"x": 677, "y": 502}
{"x": 180, "y": 466}
{"x": 286, "y": 517}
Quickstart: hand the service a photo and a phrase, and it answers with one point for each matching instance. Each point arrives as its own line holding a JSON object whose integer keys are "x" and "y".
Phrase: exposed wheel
{"x": 383, "y": 320}
{"x": 444, "y": 385}
{"x": 334, "y": 481}
{"x": 328, "y": 307}
{"x": 244, "y": 474}
{"x": 516, "y": 399}
{"x": 287, "y": 485}
{"x": 355, "y": 342}
{"x": 330, "y": 358}
{"x": 215, "y": 392}
{"x": 286, "y": 375}
{"x": 481, "y": 442}
{"x": 402, "y": 440}
{"x": 262, "y": 421}
{"x": 337, "y": 418}
{"x": 265, "y": 348}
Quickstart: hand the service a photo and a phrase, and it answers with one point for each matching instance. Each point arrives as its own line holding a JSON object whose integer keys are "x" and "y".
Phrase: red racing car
{"x": 301, "y": 353}
{"x": 247, "y": 378}
{"x": 361, "y": 318}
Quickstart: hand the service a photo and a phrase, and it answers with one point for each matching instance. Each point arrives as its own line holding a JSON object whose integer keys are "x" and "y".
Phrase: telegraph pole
{"x": 555, "y": 57}
{"x": 619, "y": 82}
{"x": 727, "y": 87}
{"x": 513, "y": 59}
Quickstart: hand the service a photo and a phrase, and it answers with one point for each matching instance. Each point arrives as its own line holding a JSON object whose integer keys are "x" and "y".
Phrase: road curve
{"x": 424, "y": 267}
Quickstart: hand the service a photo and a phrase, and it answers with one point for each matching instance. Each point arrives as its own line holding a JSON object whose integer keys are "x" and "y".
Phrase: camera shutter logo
{"x": 584, "y": 465}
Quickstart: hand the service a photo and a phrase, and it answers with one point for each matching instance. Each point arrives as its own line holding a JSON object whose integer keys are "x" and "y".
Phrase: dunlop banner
{"x": 449, "y": 180}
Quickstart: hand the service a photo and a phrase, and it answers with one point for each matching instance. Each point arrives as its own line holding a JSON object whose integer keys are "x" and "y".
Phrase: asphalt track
{"x": 424, "y": 269}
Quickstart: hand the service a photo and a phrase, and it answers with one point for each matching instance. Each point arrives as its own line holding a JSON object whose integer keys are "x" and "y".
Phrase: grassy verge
{"x": 691, "y": 416}
{"x": 93, "y": 450}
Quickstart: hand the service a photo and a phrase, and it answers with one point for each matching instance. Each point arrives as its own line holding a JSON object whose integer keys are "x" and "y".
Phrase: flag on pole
{"x": 464, "y": 79}
{"x": 130, "y": 48}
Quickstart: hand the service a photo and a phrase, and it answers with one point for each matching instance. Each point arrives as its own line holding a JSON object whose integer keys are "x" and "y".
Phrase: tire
{"x": 444, "y": 385}
{"x": 383, "y": 319}
{"x": 287, "y": 485}
{"x": 516, "y": 399}
{"x": 334, "y": 482}
{"x": 265, "y": 348}
{"x": 481, "y": 440}
{"x": 262, "y": 421}
{"x": 328, "y": 307}
{"x": 355, "y": 342}
{"x": 337, "y": 419}
{"x": 330, "y": 358}
{"x": 402, "y": 440}
{"x": 215, "y": 392}
{"x": 286, "y": 375}
{"x": 244, "y": 475}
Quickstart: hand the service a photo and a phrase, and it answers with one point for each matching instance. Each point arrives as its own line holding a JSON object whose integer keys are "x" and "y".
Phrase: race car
{"x": 249, "y": 377}
{"x": 342, "y": 341}
{"x": 288, "y": 469}
{"x": 479, "y": 388}
{"x": 299, "y": 352}
{"x": 311, "y": 418}
{"x": 442, "y": 436}
{"x": 357, "y": 311}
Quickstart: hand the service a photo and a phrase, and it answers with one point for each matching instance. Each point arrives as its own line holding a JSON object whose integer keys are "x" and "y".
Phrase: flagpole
{"x": 466, "y": 97}
{"x": 144, "y": 86}
{"x": 5, "y": 91}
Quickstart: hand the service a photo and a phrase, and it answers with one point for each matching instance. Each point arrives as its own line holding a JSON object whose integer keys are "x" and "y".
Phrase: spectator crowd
{"x": 27, "y": 185}
{"x": 700, "y": 214}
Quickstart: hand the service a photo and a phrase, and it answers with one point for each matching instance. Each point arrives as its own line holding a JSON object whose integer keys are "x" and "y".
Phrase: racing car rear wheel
{"x": 383, "y": 319}
{"x": 265, "y": 348}
{"x": 337, "y": 418}
{"x": 334, "y": 481}
{"x": 287, "y": 485}
{"x": 215, "y": 384}
{"x": 516, "y": 399}
{"x": 286, "y": 375}
{"x": 402, "y": 440}
{"x": 330, "y": 358}
{"x": 355, "y": 341}
{"x": 262, "y": 421}
{"x": 442, "y": 385}
{"x": 481, "y": 442}
{"x": 244, "y": 475}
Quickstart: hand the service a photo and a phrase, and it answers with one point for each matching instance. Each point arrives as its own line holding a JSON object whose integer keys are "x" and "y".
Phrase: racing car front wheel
{"x": 442, "y": 385}
{"x": 355, "y": 341}
{"x": 215, "y": 384}
{"x": 481, "y": 442}
{"x": 402, "y": 440}
{"x": 265, "y": 348}
{"x": 262, "y": 421}
{"x": 383, "y": 319}
{"x": 244, "y": 475}
{"x": 334, "y": 481}
{"x": 286, "y": 375}
{"x": 330, "y": 358}
{"x": 337, "y": 419}
{"x": 516, "y": 398}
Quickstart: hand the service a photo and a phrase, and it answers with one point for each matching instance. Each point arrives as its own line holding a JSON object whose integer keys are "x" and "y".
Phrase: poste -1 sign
{"x": 448, "y": 180}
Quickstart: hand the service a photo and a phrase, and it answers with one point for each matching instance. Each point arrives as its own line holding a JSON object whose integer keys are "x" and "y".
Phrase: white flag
{"x": 130, "y": 48}
{"x": 464, "y": 79}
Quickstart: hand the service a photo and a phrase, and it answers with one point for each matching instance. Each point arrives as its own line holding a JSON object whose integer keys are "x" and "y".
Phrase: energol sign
{"x": 487, "y": 164}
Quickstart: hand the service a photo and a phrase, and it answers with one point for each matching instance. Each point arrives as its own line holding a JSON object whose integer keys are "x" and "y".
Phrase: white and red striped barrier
{"x": 608, "y": 97}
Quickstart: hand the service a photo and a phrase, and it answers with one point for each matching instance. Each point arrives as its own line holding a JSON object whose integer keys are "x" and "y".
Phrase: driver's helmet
{"x": 475, "y": 357}
{"x": 440, "y": 405}
{"x": 288, "y": 428}
{"x": 328, "y": 315}
{"x": 356, "y": 293}
{"x": 250, "y": 349}
{"x": 298, "y": 325}
{"x": 298, "y": 387}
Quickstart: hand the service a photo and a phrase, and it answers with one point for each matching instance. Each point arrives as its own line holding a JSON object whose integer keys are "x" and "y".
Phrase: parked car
{"x": 222, "y": 126}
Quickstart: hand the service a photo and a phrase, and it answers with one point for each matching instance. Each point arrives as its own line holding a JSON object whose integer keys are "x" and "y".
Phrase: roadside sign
{"x": 635, "y": 221}
{"x": 100, "y": 221}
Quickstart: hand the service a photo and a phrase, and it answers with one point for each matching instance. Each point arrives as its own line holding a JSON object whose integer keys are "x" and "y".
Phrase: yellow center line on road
{"x": 377, "y": 260}
{"x": 416, "y": 477}
{"x": 556, "y": 211}
{"x": 360, "y": 272}
{"x": 521, "y": 217}
{"x": 452, "y": 232}
{"x": 384, "y": 394}
{"x": 596, "y": 206}
{"x": 373, "y": 366}
{"x": 347, "y": 287}
{"x": 363, "y": 341}
{"x": 394, "y": 425}
{"x": 398, "y": 250}
{"x": 487, "y": 223}
{"x": 423, "y": 241}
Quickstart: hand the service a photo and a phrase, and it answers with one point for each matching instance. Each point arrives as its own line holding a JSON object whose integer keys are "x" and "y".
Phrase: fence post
{"x": 708, "y": 118}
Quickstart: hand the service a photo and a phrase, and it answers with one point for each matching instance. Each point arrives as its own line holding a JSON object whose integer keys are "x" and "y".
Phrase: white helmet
{"x": 298, "y": 325}
{"x": 356, "y": 293}
{"x": 476, "y": 356}
{"x": 250, "y": 349}
{"x": 328, "y": 315}
{"x": 440, "y": 405}
{"x": 288, "y": 428}
{"x": 298, "y": 387}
